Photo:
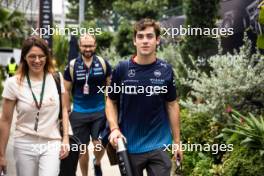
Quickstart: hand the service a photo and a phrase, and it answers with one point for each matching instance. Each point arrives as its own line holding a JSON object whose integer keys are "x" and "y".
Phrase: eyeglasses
{"x": 87, "y": 46}
{"x": 34, "y": 57}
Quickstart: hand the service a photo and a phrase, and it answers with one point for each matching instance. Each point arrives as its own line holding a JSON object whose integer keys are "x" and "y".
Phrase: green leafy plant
{"x": 199, "y": 14}
{"x": 191, "y": 123}
{"x": 104, "y": 40}
{"x": 171, "y": 53}
{"x": 199, "y": 128}
{"x": 12, "y": 28}
{"x": 111, "y": 55}
{"x": 249, "y": 128}
{"x": 135, "y": 10}
{"x": 123, "y": 39}
{"x": 236, "y": 79}
{"x": 60, "y": 50}
{"x": 243, "y": 162}
{"x": 202, "y": 166}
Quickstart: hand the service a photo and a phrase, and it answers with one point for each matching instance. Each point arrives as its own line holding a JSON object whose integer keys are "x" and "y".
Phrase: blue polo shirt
{"x": 144, "y": 118}
{"x": 93, "y": 102}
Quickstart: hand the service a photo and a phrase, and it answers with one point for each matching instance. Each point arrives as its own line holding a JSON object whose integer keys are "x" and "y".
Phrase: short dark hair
{"x": 144, "y": 23}
{"x": 12, "y": 60}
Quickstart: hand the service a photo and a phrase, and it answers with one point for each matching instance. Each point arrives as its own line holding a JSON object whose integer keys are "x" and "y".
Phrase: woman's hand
{"x": 65, "y": 147}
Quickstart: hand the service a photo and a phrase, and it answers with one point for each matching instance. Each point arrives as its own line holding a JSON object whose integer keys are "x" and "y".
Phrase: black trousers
{"x": 69, "y": 164}
{"x": 82, "y": 130}
{"x": 156, "y": 163}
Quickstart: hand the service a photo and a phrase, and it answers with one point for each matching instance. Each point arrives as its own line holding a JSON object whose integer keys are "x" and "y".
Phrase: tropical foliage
{"x": 236, "y": 80}
{"x": 12, "y": 28}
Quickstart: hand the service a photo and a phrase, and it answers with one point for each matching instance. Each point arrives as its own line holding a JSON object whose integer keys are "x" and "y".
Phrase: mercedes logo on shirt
{"x": 157, "y": 73}
{"x": 131, "y": 73}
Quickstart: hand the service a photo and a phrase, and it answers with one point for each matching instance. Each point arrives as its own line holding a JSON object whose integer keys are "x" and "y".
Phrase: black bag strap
{"x": 73, "y": 138}
{"x": 56, "y": 76}
{"x": 124, "y": 67}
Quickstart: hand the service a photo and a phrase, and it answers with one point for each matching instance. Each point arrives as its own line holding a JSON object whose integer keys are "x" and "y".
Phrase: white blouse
{"x": 48, "y": 125}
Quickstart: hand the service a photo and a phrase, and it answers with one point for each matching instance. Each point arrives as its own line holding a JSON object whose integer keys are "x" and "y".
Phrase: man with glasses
{"x": 149, "y": 113}
{"x": 83, "y": 78}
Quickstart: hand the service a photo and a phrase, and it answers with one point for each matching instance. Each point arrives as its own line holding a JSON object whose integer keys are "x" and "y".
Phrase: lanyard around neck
{"x": 38, "y": 105}
{"x": 88, "y": 71}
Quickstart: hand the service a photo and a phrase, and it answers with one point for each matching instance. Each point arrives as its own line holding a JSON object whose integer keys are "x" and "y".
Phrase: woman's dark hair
{"x": 26, "y": 46}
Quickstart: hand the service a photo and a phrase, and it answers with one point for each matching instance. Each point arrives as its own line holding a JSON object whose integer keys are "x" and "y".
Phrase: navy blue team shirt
{"x": 93, "y": 102}
{"x": 144, "y": 118}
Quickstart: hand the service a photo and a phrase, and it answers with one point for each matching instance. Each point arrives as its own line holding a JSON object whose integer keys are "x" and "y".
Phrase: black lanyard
{"x": 87, "y": 75}
{"x": 88, "y": 71}
{"x": 38, "y": 105}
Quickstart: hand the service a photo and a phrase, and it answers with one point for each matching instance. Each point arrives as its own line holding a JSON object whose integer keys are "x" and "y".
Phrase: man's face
{"x": 87, "y": 46}
{"x": 146, "y": 41}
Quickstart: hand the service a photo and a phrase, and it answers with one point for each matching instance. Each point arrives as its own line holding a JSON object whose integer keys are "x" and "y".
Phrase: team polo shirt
{"x": 144, "y": 119}
{"x": 93, "y": 102}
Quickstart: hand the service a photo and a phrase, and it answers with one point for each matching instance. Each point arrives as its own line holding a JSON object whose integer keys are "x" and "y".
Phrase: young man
{"x": 146, "y": 107}
{"x": 82, "y": 78}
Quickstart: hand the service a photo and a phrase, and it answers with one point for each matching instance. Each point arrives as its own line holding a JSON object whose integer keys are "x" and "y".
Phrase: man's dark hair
{"x": 12, "y": 60}
{"x": 144, "y": 23}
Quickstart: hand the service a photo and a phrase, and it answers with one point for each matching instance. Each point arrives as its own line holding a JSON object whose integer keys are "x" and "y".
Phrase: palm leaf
{"x": 251, "y": 131}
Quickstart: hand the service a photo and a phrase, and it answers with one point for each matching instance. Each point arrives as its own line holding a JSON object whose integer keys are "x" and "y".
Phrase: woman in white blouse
{"x": 38, "y": 143}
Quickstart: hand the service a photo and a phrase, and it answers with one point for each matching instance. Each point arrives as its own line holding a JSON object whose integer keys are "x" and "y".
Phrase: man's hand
{"x": 113, "y": 137}
{"x": 178, "y": 154}
{"x": 2, "y": 165}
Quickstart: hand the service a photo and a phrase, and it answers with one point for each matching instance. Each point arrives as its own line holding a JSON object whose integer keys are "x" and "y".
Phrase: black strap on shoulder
{"x": 124, "y": 67}
{"x": 123, "y": 70}
{"x": 57, "y": 79}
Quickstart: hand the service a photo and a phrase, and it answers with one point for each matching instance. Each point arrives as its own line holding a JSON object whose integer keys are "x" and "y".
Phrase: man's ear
{"x": 134, "y": 41}
{"x": 79, "y": 44}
